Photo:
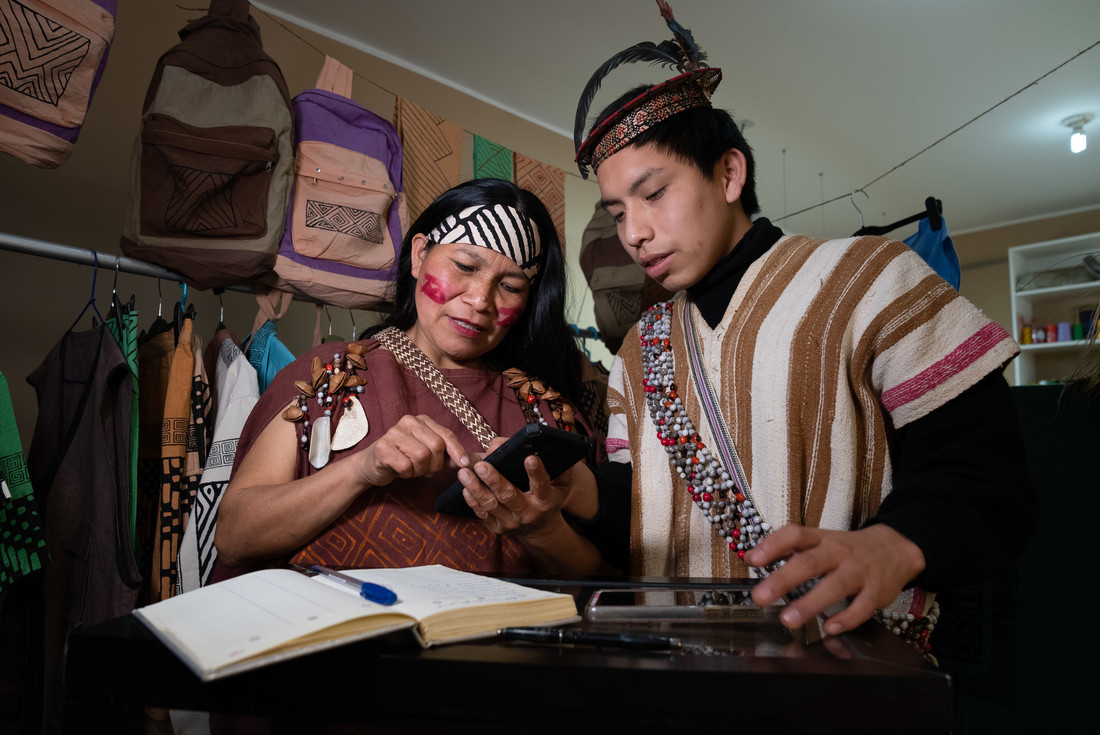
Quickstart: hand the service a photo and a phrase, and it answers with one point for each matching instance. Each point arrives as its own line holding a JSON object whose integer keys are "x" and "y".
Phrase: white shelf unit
{"x": 1035, "y": 265}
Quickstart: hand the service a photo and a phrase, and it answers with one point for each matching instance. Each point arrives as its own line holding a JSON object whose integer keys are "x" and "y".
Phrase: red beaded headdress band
{"x": 690, "y": 89}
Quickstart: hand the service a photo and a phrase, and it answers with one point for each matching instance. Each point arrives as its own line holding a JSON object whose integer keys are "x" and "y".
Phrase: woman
{"x": 480, "y": 290}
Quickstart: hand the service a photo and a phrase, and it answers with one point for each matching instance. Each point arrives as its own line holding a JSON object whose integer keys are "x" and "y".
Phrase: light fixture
{"x": 1077, "y": 123}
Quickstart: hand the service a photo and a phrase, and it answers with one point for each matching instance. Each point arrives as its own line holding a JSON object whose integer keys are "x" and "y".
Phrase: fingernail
{"x": 790, "y": 618}
{"x": 481, "y": 469}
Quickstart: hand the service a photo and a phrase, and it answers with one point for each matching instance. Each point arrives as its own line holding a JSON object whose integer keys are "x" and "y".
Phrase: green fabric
{"x": 127, "y": 335}
{"x": 22, "y": 540}
{"x": 492, "y": 161}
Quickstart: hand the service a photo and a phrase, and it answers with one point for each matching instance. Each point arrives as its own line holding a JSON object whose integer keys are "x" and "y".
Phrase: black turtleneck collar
{"x": 713, "y": 292}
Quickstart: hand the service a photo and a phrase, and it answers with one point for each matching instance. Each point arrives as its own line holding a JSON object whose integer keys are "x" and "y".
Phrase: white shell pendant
{"x": 320, "y": 441}
{"x": 352, "y": 428}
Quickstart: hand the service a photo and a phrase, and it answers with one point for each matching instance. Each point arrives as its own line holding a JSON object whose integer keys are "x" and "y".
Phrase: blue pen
{"x": 367, "y": 590}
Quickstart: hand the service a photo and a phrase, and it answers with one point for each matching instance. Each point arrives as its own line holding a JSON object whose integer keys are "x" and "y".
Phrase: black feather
{"x": 666, "y": 54}
{"x": 693, "y": 55}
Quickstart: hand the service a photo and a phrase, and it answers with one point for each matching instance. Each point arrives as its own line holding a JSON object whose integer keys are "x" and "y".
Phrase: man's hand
{"x": 868, "y": 568}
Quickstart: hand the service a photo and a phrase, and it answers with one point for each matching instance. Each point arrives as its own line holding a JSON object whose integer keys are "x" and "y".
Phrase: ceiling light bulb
{"x": 1077, "y": 141}
{"x": 1077, "y": 123}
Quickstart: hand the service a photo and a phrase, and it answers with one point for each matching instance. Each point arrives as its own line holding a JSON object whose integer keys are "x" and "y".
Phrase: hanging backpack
{"x": 347, "y": 210}
{"x": 621, "y": 290}
{"x": 211, "y": 168}
{"x": 52, "y": 55}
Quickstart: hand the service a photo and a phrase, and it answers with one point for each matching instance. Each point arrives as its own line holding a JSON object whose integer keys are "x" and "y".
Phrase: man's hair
{"x": 698, "y": 136}
{"x": 540, "y": 342}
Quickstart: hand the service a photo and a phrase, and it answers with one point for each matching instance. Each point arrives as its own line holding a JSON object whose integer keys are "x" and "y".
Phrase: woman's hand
{"x": 507, "y": 510}
{"x": 416, "y": 446}
{"x": 534, "y": 517}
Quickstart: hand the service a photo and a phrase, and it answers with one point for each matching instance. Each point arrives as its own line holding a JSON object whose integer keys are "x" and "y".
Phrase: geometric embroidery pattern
{"x": 174, "y": 431}
{"x": 548, "y": 184}
{"x": 432, "y": 154}
{"x": 346, "y": 220}
{"x": 625, "y": 305}
{"x": 204, "y": 516}
{"x": 37, "y": 54}
{"x": 201, "y": 200}
{"x": 393, "y": 531}
{"x": 14, "y": 470}
{"x": 492, "y": 160}
{"x": 221, "y": 454}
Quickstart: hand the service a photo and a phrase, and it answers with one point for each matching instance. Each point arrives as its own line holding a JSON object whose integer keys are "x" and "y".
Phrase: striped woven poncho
{"x": 824, "y": 347}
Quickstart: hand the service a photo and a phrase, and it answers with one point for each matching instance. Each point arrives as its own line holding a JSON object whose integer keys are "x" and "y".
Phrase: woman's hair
{"x": 699, "y": 136}
{"x": 540, "y": 343}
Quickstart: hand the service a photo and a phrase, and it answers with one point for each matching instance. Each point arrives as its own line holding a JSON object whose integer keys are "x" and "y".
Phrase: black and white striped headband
{"x": 497, "y": 227}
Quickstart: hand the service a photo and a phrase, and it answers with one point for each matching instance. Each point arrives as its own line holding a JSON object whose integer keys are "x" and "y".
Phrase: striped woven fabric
{"x": 824, "y": 345}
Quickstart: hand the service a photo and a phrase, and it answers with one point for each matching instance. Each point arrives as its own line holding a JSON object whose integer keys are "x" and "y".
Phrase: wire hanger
{"x": 933, "y": 209}
{"x": 354, "y": 331}
{"x": 91, "y": 299}
{"x": 852, "y": 199}
{"x": 221, "y": 309}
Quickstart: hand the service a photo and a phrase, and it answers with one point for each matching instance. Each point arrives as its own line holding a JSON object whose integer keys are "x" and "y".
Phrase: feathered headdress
{"x": 691, "y": 88}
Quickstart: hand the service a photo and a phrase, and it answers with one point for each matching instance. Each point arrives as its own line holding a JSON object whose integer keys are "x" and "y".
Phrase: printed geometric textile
{"x": 344, "y": 219}
{"x": 22, "y": 540}
{"x": 492, "y": 161}
{"x": 37, "y": 54}
{"x": 433, "y": 154}
{"x": 154, "y": 365}
{"x": 175, "y": 480}
{"x": 237, "y": 391}
{"x": 266, "y": 353}
{"x": 548, "y": 183}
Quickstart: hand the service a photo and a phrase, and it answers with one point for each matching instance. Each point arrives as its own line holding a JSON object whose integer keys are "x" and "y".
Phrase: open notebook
{"x": 275, "y": 614}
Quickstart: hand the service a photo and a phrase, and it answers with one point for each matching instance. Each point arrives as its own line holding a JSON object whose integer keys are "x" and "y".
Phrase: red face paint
{"x": 508, "y": 317}
{"x": 435, "y": 289}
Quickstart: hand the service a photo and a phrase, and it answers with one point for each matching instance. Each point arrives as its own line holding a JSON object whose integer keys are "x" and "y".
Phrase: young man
{"x": 861, "y": 444}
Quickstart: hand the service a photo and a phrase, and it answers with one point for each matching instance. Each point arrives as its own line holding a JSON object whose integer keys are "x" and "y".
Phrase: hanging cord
{"x": 936, "y": 143}
{"x": 283, "y": 24}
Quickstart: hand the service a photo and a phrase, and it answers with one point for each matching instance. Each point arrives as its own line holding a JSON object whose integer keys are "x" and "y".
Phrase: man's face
{"x": 671, "y": 219}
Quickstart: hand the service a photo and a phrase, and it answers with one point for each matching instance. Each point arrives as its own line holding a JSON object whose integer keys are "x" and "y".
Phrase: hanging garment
{"x": 264, "y": 350}
{"x": 22, "y": 540}
{"x": 237, "y": 391}
{"x": 174, "y": 481}
{"x": 492, "y": 160}
{"x": 122, "y": 321}
{"x": 938, "y": 251}
{"x": 154, "y": 363}
{"x": 79, "y": 464}
{"x": 548, "y": 184}
{"x": 432, "y": 149}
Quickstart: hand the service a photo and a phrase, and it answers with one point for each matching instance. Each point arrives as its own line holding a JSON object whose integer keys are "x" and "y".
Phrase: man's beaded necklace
{"x": 721, "y": 497}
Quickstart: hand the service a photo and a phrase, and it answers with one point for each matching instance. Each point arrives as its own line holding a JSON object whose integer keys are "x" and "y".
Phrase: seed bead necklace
{"x": 721, "y": 497}
{"x": 724, "y": 499}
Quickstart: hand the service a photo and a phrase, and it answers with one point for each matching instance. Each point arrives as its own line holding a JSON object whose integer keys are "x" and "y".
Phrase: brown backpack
{"x": 211, "y": 168}
{"x": 620, "y": 288}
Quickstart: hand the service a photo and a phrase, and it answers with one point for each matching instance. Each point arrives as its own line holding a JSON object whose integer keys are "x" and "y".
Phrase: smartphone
{"x": 558, "y": 449}
{"x": 723, "y": 604}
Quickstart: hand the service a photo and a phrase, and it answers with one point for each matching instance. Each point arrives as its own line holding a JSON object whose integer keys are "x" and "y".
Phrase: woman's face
{"x": 467, "y": 298}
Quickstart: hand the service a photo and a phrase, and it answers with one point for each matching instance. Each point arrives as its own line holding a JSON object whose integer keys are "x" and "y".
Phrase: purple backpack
{"x": 52, "y": 55}
{"x": 347, "y": 212}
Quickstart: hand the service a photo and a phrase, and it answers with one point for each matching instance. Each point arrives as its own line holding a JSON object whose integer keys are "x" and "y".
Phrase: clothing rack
{"x": 111, "y": 261}
{"x": 585, "y": 332}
